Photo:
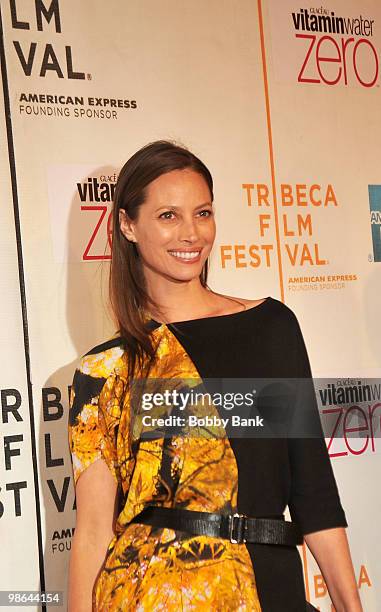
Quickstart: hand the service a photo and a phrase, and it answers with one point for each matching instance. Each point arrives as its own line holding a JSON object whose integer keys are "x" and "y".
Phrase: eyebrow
{"x": 178, "y": 207}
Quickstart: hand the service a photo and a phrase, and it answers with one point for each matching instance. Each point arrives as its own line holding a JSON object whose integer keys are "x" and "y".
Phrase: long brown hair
{"x": 127, "y": 288}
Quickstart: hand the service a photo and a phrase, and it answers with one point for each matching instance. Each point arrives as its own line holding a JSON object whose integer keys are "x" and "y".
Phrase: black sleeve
{"x": 314, "y": 500}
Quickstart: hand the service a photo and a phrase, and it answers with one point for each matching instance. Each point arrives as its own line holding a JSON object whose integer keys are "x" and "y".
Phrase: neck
{"x": 179, "y": 301}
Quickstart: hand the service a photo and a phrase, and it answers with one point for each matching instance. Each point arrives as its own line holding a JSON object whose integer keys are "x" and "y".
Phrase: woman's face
{"x": 175, "y": 228}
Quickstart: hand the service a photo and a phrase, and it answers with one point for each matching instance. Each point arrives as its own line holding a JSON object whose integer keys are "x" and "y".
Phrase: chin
{"x": 185, "y": 275}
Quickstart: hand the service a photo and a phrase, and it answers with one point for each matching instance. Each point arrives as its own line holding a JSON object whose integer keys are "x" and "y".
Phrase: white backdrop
{"x": 286, "y": 115}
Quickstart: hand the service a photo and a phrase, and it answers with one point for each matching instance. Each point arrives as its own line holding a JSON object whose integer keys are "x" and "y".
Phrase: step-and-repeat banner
{"x": 282, "y": 101}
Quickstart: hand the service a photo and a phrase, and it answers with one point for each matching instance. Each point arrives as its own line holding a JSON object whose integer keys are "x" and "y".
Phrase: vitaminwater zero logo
{"x": 350, "y": 414}
{"x": 98, "y": 193}
{"x": 336, "y": 49}
{"x": 37, "y": 60}
{"x": 375, "y": 220}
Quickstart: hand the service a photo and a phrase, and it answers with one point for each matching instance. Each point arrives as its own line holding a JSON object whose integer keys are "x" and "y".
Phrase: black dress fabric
{"x": 265, "y": 341}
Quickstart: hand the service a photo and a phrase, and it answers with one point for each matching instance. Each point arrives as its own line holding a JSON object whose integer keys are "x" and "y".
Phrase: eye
{"x": 168, "y": 212}
{"x": 209, "y": 213}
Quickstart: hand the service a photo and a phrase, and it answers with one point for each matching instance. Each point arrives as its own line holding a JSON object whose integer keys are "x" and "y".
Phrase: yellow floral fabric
{"x": 148, "y": 568}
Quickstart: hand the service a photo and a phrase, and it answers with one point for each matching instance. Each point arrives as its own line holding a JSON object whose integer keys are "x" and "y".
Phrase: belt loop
{"x": 238, "y": 528}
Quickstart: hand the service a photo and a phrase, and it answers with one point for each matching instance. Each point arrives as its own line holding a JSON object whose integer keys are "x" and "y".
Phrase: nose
{"x": 188, "y": 231}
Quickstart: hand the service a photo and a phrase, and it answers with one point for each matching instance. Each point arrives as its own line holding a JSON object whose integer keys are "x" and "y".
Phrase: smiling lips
{"x": 186, "y": 256}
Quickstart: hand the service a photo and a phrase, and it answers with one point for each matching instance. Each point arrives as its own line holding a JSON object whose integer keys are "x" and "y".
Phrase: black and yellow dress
{"x": 151, "y": 569}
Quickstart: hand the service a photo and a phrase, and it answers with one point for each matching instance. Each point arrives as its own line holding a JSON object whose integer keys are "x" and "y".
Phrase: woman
{"x": 128, "y": 553}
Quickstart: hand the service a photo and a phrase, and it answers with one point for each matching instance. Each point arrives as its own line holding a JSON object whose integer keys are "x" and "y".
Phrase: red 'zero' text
{"x": 328, "y": 49}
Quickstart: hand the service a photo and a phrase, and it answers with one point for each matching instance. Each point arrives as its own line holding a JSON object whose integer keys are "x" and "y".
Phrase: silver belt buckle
{"x": 240, "y": 528}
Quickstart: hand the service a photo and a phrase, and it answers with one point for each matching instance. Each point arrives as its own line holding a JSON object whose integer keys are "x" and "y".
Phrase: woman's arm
{"x": 96, "y": 508}
{"x": 331, "y": 551}
{"x": 314, "y": 499}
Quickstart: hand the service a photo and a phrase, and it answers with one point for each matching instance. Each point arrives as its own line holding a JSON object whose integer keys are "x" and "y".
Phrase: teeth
{"x": 184, "y": 255}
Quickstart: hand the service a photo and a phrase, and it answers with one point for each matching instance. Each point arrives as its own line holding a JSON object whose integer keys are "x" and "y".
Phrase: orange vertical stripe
{"x": 273, "y": 185}
{"x": 305, "y": 569}
{"x": 271, "y": 150}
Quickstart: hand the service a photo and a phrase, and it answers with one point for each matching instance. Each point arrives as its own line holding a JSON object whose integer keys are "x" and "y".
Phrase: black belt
{"x": 237, "y": 528}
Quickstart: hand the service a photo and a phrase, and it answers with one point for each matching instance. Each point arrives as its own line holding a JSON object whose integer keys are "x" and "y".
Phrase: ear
{"x": 126, "y": 226}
